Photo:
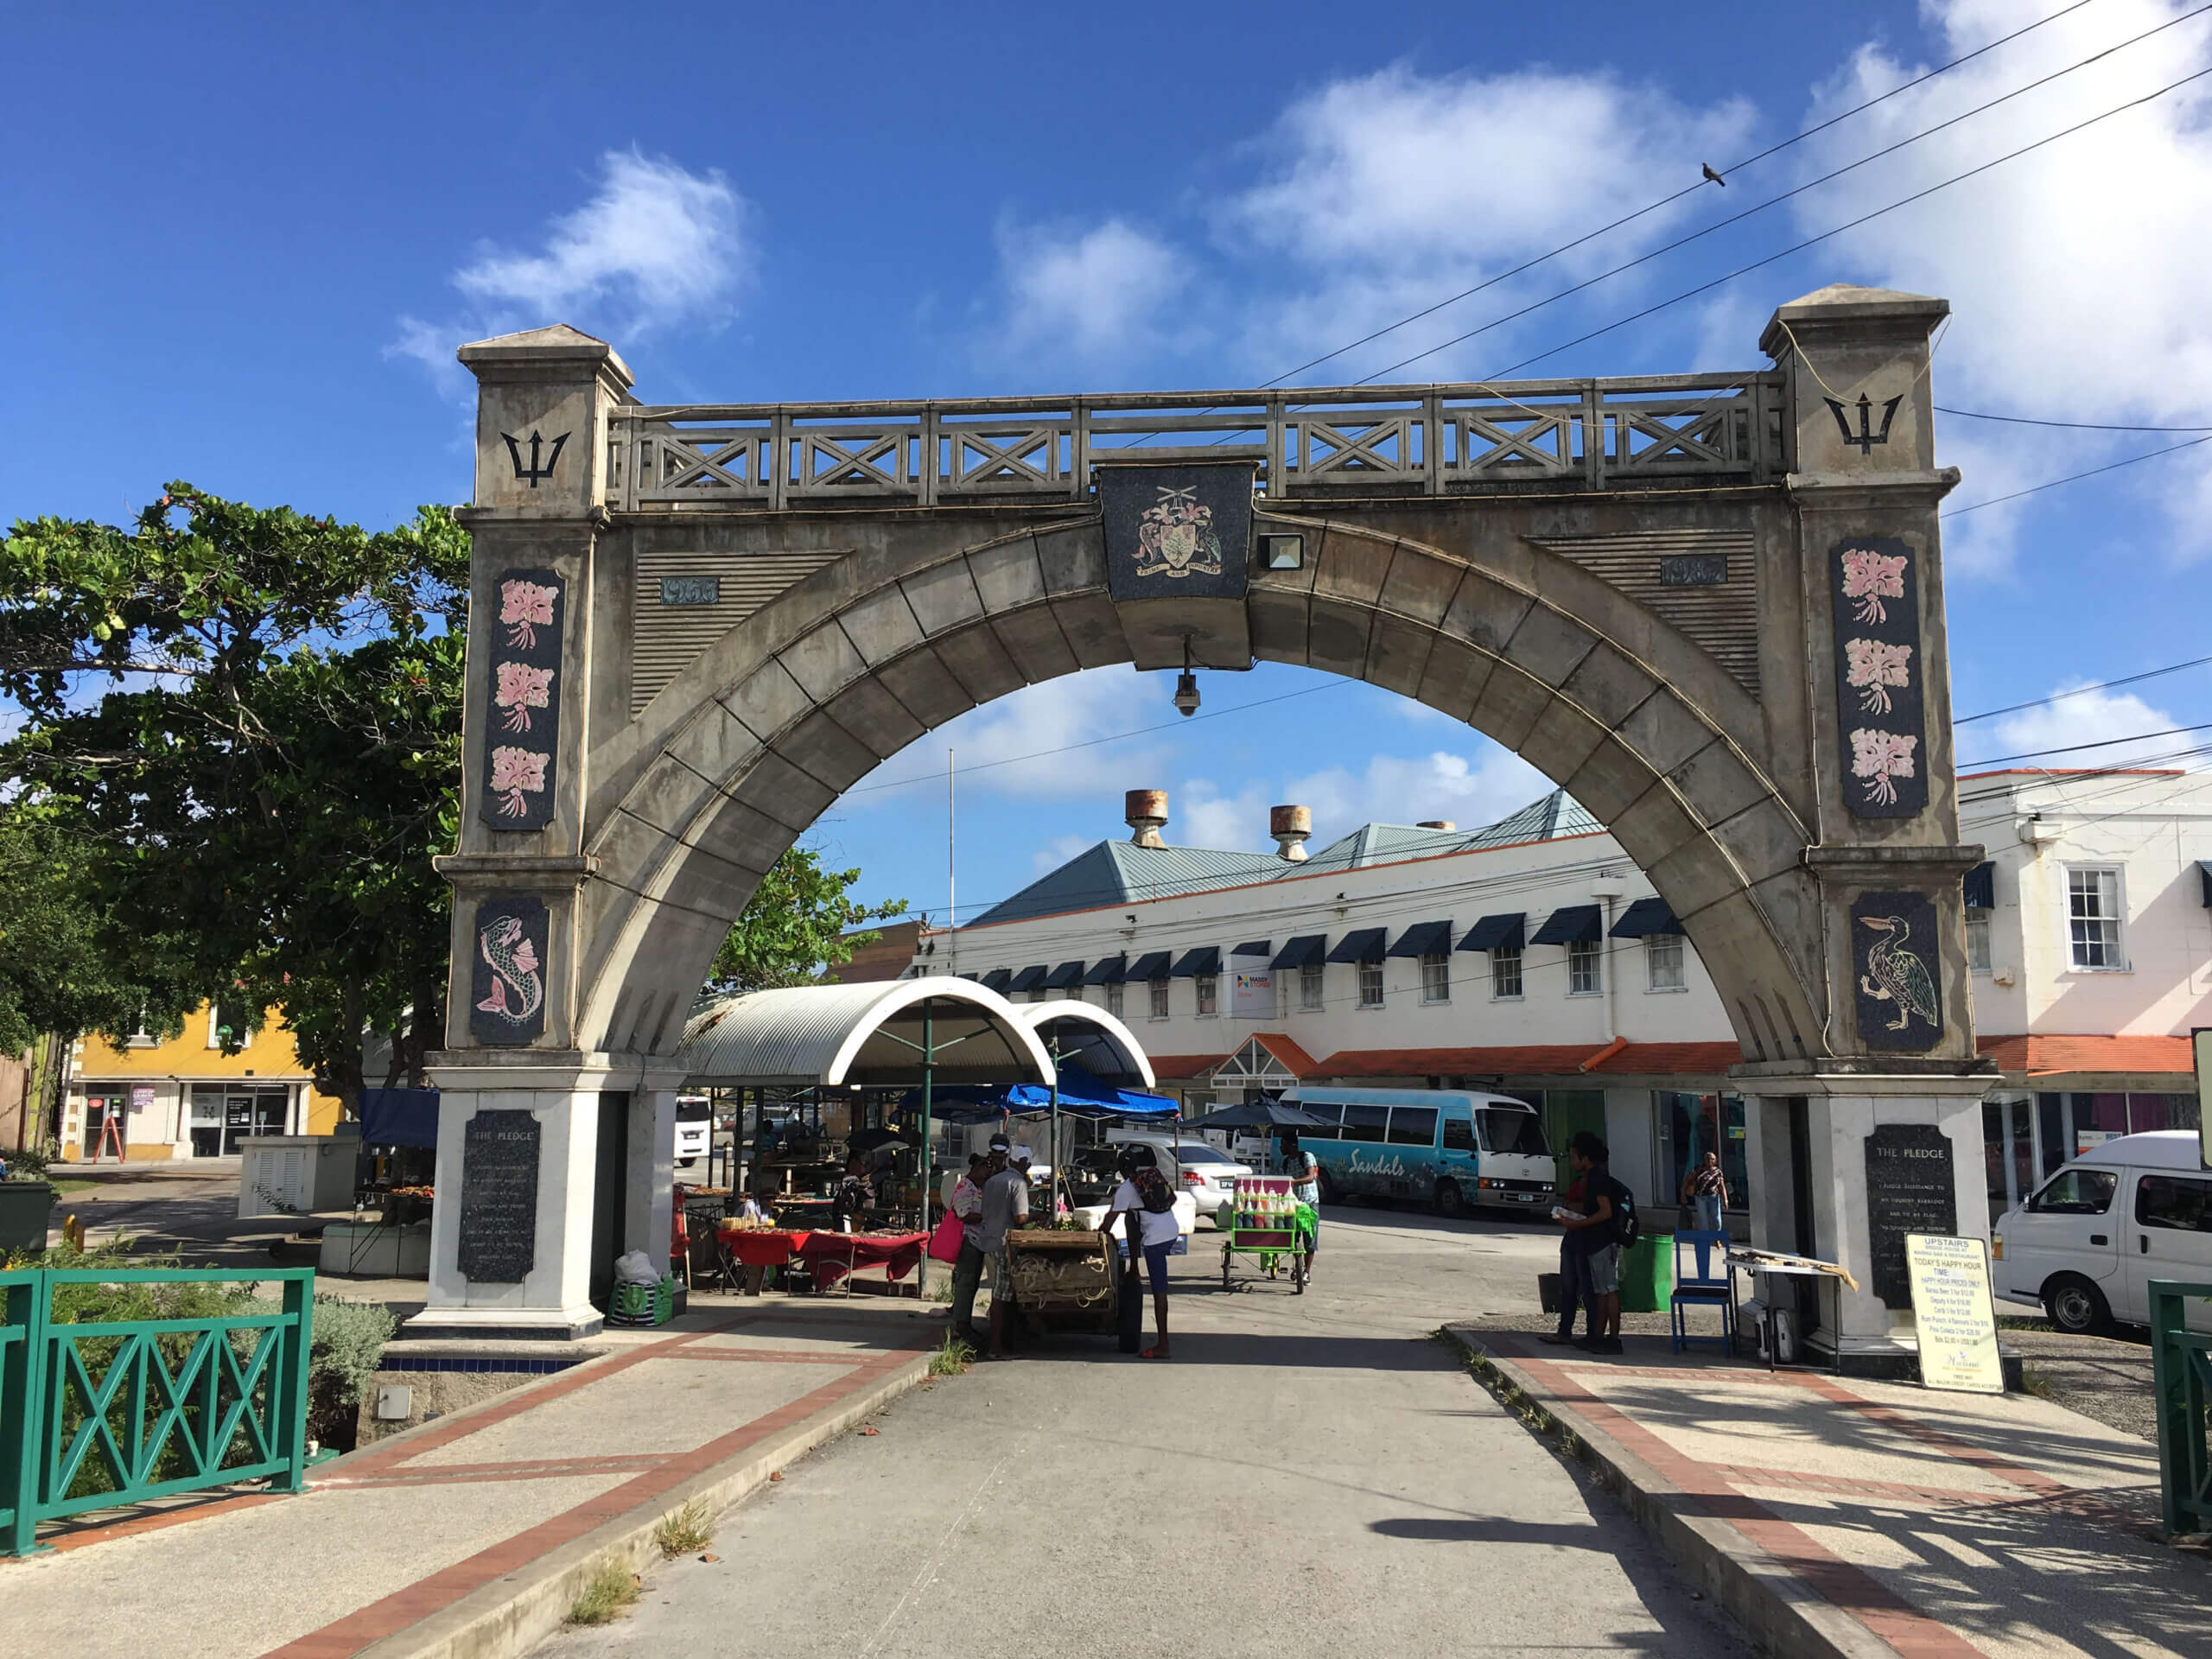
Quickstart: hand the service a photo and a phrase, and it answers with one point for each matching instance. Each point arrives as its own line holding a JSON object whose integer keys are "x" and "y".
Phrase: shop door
{"x": 610, "y": 1192}
{"x": 110, "y": 1107}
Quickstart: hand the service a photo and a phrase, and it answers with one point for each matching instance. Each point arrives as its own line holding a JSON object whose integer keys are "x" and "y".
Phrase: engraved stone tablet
{"x": 498, "y": 1197}
{"x": 1694, "y": 570}
{"x": 1909, "y": 1189}
{"x": 691, "y": 590}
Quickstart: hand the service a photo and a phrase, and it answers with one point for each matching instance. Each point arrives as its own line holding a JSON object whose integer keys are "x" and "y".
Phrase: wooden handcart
{"x": 1063, "y": 1280}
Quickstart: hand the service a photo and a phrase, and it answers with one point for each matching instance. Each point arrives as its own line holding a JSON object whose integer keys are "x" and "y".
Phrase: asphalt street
{"x": 1309, "y": 1474}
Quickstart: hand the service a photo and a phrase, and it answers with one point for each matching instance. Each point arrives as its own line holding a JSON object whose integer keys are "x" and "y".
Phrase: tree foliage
{"x": 795, "y": 926}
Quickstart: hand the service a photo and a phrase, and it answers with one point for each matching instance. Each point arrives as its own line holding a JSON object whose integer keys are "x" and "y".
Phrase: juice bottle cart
{"x": 1266, "y": 1222}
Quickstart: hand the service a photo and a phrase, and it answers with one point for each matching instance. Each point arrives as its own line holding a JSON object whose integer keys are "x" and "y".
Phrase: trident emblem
{"x": 1865, "y": 437}
{"x": 534, "y": 472}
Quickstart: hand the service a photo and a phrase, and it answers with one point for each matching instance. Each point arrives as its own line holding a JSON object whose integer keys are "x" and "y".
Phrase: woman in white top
{"x": 1147, "y": 1204}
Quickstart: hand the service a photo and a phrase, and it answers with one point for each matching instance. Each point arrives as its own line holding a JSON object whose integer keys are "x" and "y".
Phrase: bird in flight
{"x": 1714, "y": 177}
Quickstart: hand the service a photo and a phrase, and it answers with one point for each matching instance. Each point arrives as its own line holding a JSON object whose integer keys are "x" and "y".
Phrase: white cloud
{"x": 1470, "y": 792}
{"x": 1085, "y": 293}
{"x": 2075, "y": 273}
{"x": 2088, "y": 717}
{"x": 1058, "y": 850}
{"x": 1201, "y": 815}
{"x": 656, "y": 246}
{"x": 1043, "y": 721}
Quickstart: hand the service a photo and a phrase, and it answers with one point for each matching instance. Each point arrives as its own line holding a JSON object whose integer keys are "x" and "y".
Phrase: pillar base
{"x": 504, "y": 1324}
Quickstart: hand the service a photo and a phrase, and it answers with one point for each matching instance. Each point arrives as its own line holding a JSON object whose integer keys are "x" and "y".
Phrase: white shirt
{"x": 1159, "y": 1228}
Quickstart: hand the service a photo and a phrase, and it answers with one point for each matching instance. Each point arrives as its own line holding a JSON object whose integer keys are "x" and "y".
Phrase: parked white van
{"x": 2088, "y": 1243}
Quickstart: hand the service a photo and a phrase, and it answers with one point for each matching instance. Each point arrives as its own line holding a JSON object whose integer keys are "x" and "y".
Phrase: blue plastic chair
{"x": 1709, "y": 1286}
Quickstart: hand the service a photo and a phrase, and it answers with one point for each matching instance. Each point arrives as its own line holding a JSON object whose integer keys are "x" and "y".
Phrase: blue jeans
{"x": 1707, "y": 1206}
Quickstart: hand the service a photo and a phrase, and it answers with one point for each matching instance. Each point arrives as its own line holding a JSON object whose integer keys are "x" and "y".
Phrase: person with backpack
{"x": 1146, "y": 1205}
{"x": 1606, "y": 1223}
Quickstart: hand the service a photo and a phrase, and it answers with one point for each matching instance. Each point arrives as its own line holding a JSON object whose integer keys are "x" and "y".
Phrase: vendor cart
{"x": 1268, "y": 1223}
{"x": 1064, "y": 1279}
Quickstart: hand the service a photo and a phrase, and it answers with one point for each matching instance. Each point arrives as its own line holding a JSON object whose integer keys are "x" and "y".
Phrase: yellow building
{"x": 185, "y": 1098}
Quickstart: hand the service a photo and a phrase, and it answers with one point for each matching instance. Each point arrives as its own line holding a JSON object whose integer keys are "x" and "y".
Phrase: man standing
{"x": 1570, "y": 1274}
{"x": 1005, "y": 1202}
{"x": 1598, "y": 1261}
{"x": 968, "y": 1266}
{"x": 1304, "y": 1172}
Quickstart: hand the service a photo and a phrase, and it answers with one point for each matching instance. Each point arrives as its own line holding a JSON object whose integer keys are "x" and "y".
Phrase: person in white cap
{"x": 1005, "y": 1201}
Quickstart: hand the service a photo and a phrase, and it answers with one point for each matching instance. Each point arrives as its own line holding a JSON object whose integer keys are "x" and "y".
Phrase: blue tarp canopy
{"x": 1082, "y": 1095}
{"x": 399, "y": 1117}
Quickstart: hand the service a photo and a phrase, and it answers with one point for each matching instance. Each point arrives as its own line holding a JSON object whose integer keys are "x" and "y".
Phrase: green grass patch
{"x": 952, "y": 1358}
{"x": 610, "y": 1591}
{"x": 681, "y": 1531}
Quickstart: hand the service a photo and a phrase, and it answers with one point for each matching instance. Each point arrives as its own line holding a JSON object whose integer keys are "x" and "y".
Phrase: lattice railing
{"x": 1334, "y": 442}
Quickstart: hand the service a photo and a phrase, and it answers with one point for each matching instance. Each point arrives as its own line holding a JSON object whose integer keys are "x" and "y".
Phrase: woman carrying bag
{"x": 1146, "y": 1205}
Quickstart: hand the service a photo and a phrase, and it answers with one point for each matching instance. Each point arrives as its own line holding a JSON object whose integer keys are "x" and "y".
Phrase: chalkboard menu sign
{"x": 498, "y": 1197}
{"x": 1909, "y": 1189}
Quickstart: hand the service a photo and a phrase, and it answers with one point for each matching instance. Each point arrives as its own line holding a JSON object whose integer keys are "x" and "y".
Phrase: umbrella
{"x": 1259, "y": 1114}
{"x": 869, "y": 1140}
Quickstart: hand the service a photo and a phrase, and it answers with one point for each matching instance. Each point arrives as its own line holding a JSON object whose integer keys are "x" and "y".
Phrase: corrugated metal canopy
{"x": 860, "y": 1034}
{"x": 1424, "y": 939}
{"x": 1500, "y": 932}
{"x": 1093, "y": 1039}
{"x": 1644, "y": 918}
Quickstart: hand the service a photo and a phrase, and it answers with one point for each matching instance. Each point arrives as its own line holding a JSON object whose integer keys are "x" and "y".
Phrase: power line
{"x": 2102, "y": 743}
{"x": 2081, "y": 691}
{"x": 1669, "y": 200}
{"x": 1798, "y": 190}
{"x": 2071, "y": 426}
{"x": 2075, "y": 478}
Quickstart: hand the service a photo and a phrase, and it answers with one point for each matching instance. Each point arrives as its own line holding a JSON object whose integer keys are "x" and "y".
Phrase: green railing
{"x": 2181, "y": 1369}
{"x": 99, "y": 1414}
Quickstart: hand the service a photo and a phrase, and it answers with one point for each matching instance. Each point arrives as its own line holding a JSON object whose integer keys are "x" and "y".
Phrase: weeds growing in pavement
{"x": 681, "y": 1531}
{"x": 952, "y": 1358}
{"x": 609, "y": 1590}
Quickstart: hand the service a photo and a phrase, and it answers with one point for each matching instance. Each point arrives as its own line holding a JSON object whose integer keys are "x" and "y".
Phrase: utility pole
{"x": 951, "y": 877}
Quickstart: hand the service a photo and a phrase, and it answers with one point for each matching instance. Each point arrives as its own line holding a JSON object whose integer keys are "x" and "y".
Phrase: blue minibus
{"x": 1453, "y": 1150}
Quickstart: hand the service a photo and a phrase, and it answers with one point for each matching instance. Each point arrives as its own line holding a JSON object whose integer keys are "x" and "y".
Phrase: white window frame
{"x": 1977, "y": 951}
{"x": 1370, "y": 984}
{"x": 1156, "y": 994}
{"x": 1585, "y": 967}
{"x": 1435, "y": 978}
{"x": 214, "y": 1028}
{"x": 1114, "y": 998}
{"x": 2117, "y": 920}
{"x": 1502, "y": 958}
{"x": 1205, "y": 989}
{"x": 1665, "y": 954}
{"x": 1313, "y": 979}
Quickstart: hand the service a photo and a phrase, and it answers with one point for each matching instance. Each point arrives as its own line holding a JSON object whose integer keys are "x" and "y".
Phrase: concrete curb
{"x": 512, "y": 1615}
{"x": 1779, "y": 1611}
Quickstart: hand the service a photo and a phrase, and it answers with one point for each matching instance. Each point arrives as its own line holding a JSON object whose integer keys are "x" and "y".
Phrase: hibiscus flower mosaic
{"x": 1880, "y": 707}
{"x": 523, "y": 722}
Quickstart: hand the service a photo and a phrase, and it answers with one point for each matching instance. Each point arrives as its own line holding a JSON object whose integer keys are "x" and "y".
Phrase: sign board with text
{"x": 1956, "y": 1317}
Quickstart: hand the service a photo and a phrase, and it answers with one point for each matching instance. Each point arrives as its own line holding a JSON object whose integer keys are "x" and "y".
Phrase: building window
{"x": 1159, "y": 998}
{"x": 1436, "y": 979}
{"x": 1662, "y": 961}
{"x": 1582, "y": 972}
{"x": 1505, "y": 972}
{"x": 1114, "y": 999}
{"x": 1204, "y": 985}
{"x": 2093, "y": 918}
{"x": 1370, "y": 984}
{"x": 1309, "y": 986}
{"x": 1977, "y": 941}
{"x": 223, "y": 1023}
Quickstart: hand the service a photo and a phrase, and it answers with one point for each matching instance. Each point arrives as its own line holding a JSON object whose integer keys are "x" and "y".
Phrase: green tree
{"x": 794, "y": 927}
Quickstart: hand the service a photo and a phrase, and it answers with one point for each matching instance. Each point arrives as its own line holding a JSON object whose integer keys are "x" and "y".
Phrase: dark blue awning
{"x": 1206, "y": 959}
{"x": 1151, "y": 965}
{"x": 1424, "y": 939}
{"x": 1571, "y": 925}
{"x": 1066, "y": 978}
{"x": 1254, "y": 948}
{"x": 1361, "y": 944}
{"x": 1029, "y": 979}
{"x": 1496, "y": 933}
{"x": 1644, "y": 918}
{"x": 1298, "y": 952}
{"x": 998, "y": 979}
{"x": 1108, "y": 970}
{"x": 2204, "y": 875}
{"x": 1980, "y": 886}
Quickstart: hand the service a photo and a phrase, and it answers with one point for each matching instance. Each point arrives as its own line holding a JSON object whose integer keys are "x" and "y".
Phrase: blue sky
{"x": 243, "y": 241}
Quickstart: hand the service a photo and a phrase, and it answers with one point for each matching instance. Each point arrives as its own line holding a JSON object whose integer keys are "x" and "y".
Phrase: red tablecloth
{"x": 831, "y": 1254}
{"x": 752, "y": 1248}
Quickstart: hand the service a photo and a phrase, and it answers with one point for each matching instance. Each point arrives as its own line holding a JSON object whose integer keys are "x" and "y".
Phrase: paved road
{"x": 1310, "y": 1475}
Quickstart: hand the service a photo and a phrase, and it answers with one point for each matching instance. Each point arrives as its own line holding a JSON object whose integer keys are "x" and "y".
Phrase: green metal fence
{"x": 94, "y": 1414}
{"x": 2181, "y": 1362}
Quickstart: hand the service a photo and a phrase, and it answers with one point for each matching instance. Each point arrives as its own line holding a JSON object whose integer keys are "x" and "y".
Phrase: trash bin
{"x": 26, "y": 1207}
{"x": 1648, "y": 1273}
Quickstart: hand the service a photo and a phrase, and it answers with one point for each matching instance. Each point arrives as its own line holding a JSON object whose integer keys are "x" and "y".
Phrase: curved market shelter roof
{"x": 866, "y": 1033}
{"x": 1091, "y": 1037}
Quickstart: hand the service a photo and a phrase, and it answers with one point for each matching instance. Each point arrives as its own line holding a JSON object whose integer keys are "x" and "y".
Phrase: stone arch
{"x": 734, "y": 758}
